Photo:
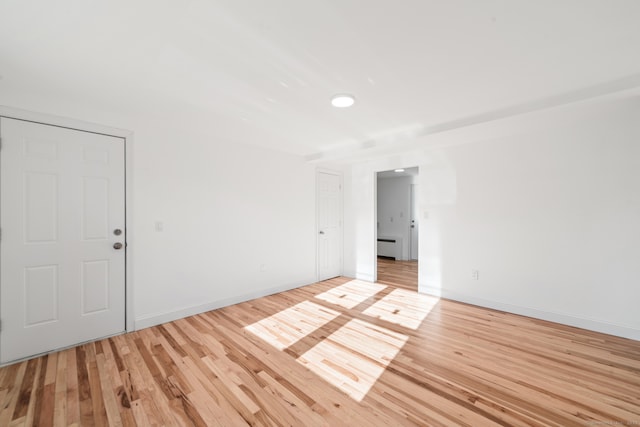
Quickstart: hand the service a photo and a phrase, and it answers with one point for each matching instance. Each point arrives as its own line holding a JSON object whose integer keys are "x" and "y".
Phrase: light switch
{"x": 159, "y": 226}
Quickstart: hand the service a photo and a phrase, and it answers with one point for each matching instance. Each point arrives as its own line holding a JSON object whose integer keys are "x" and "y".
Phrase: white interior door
{"x": 413, "y": 230}
{"x": 62, "y": 216}
{"x": 329, "y": 225}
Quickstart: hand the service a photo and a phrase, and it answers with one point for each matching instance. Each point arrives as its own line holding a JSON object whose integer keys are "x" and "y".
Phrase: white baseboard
{"x": 364, "y": 276}
{"x": 565, "y": 319}
{"x": 159, "y": 318}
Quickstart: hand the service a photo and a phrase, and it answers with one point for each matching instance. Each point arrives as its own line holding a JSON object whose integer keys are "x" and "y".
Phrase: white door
{"x": 329, "y": 225}
{"x": 413, "y": 225}
{"x": 62, "y": 216}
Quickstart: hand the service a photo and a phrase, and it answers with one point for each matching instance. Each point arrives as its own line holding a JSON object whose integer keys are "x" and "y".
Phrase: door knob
{"x": 117, "y": 245}
{"x": 321, "y": 232}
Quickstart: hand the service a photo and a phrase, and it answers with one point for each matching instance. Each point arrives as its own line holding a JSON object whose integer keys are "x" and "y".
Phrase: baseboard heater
{"x": 390, "y": 247}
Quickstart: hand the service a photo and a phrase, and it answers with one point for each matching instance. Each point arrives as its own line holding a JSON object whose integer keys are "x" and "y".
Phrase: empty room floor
{"x": 338, "y": 352}
{"x": 402, "y": 274}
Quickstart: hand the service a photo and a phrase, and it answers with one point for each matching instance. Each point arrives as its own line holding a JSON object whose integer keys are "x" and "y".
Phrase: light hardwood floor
{"x": 398, "y": 273}
{"x": 338, "y": 352}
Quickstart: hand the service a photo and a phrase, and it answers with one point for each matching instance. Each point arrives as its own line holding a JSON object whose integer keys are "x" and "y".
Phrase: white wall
{"x": 393, "y": 209}
{"x": 550, "y": 217}
{"x": 239, "y": 222}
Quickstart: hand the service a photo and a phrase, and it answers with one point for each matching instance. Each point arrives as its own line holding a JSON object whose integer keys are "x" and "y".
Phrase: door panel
{"x": 40, "y": 294}
{"x": 61, "y": 196}
{"x": 95, "y": 286}
{"x": 41, "y": 207}
{"x": 95, "y": 209}
{"x": 329, "y": 225}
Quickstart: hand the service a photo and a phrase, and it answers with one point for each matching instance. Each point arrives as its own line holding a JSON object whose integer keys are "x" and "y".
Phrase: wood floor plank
{"x": 335, "y": 353}
{"x": 39, "y": 405}
{"x": 60, "y": 398}
{"x": 13, "y": 391}
{"x": 104, "y": 378}
{"x": 26, "y": 389}
{"x": 151, "y": 398}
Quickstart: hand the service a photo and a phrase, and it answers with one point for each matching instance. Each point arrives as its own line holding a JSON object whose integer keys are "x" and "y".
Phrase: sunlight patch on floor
{"x": 403, "y": 307}
{"x": 287, "y": 327}
{"x": 354, "y": 357}
{"x": 351, "y": 293}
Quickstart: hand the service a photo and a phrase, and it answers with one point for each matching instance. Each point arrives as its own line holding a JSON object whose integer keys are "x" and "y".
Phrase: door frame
{"x": 64, "y": 122}
{"x": 375, "y": 226}
{"x": 341, "y": 209}
{"x": 375, "y": 221}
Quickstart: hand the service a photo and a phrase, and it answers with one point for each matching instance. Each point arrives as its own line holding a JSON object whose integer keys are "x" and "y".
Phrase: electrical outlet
{"x": 475, "y": 274}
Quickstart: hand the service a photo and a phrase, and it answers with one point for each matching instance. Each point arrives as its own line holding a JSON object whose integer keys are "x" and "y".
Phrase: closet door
{"x": 329, "y": 244}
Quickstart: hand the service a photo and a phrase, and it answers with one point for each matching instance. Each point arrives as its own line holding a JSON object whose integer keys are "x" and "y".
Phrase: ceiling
{"x": 263, "y": 72}
{"x": 393, "y": 174}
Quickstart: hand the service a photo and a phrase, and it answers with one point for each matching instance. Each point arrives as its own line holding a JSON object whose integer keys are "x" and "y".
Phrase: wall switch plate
{"x": 475, "y": 274}
{"x": 159, "y": 226}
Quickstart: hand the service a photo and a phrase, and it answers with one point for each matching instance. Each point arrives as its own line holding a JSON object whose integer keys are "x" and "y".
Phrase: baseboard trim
{"x": 169, "y": 316}
{"x": 565, "y": 319}
{"x": 364, "y": 276}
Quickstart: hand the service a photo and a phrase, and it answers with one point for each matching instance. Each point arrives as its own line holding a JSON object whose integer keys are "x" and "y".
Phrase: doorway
{"x": 397, "y": 227}
{"x": 63, "y": 246}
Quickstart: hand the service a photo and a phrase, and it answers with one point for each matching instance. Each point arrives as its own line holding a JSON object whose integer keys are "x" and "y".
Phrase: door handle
{"x": 117, "y": 245}
{"x": 321, "y": 232}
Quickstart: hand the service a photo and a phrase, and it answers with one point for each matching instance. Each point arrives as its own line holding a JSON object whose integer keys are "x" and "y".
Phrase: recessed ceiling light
{"x": 398, "y": 170}
{"x": 342, "y": 100}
